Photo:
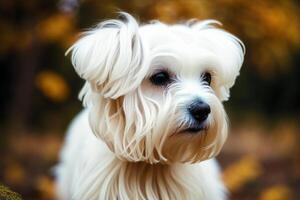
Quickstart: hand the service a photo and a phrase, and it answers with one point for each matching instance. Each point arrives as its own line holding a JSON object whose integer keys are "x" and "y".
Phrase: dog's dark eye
{"x": 160, "y": 78}
{"x": 206, "y": 78}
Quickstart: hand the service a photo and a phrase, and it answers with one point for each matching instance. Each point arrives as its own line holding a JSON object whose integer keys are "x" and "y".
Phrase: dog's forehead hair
{"x": 171, "y": 49}
{"x": 162, "y": 33}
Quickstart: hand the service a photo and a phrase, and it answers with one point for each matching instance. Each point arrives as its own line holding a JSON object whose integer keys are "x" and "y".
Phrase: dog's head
{"x": 155, "y": 91}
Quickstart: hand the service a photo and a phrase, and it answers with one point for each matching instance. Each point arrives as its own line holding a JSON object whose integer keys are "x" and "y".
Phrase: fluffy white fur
{"x": 129, "y": 142}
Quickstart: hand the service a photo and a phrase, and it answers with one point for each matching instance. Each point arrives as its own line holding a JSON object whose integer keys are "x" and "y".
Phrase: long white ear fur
{"x": 106, "y": 55}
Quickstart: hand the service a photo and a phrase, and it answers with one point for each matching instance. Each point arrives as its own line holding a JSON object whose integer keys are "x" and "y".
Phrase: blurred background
{"x": 39, "y": 88}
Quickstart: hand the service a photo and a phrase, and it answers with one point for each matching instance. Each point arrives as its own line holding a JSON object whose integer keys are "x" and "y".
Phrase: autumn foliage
{"x": 39, "y": 88}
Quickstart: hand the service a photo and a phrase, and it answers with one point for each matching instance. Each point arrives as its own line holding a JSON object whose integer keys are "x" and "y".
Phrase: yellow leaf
{"x": 278, "y": 192}
{"x": 242, "y": 172}
{"x": 56, "y": 27}
{"x": 46, "y": 187}
{"x": 52, "y": 85}
{"x": 14, "y": 174}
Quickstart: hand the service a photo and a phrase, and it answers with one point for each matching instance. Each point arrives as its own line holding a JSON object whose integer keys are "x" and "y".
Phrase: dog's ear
{"x": 111, "y": 57}
{"x": 229, "y": 50}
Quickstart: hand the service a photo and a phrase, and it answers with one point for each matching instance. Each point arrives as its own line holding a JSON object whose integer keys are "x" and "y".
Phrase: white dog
{"x": 154, "y": 117}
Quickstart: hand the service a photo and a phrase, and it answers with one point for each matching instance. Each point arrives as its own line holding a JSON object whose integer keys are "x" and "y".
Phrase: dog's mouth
{"x": 195, "y": 128}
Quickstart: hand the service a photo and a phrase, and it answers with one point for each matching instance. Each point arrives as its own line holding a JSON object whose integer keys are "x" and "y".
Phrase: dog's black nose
{"x": 199, "y": 110}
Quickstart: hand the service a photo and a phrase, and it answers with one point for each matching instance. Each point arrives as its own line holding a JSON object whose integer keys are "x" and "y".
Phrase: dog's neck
{"x": 127, "y": 180}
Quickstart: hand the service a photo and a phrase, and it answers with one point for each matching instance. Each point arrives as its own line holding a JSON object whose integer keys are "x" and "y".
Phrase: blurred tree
{"x": 35, "y": 35}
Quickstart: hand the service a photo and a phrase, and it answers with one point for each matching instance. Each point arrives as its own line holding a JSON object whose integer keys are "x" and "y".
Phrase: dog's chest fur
{"x": 98, "y": 174}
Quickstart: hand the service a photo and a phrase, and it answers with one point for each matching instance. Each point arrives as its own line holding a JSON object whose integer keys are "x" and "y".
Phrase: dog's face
{"x": 155, "y": 92}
